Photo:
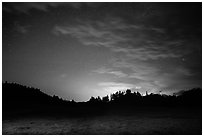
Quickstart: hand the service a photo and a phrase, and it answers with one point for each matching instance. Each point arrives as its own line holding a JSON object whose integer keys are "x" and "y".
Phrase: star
{"x": 183, "y": 59}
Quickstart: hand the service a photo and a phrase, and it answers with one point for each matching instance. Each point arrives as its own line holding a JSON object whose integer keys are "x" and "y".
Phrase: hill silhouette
{"x": 16, "y": 95}
{"x": 19, "y": 98}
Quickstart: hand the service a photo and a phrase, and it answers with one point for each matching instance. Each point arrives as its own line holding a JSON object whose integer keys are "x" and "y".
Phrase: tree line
{"x": 14, "y": 95}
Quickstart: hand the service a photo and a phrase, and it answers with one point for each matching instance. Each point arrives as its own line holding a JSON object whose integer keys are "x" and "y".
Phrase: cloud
{"x": 184, "y": 71}
{"x": 103, "y": 70}
{"x": 25, "y": 7}
{"x": 78, "y": 5}
{"x": 115, "y": 86}
{"x": 135, "y": 41}
{"x": 139, "y": 70}
{"x": 151, "y": 77}
{"x": 142, "y": 76}
{"x": 22, "y": 28}
{"x": 140, "y": 52}
{"x": 89, "y": 35}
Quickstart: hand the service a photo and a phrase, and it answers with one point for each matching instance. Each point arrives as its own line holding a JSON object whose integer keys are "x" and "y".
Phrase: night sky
{"x": 79, "y": 50}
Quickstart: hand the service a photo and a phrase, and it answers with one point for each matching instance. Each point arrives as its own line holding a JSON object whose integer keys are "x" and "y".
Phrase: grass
{"x": 166, "y": 122}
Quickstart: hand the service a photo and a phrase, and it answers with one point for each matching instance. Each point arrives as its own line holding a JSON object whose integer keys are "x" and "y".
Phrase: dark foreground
{"x": 145, "y": 121}
{"x": 27, "y": 110}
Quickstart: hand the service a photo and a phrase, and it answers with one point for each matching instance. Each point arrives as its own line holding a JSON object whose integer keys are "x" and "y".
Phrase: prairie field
{"x": 141, "y": 122}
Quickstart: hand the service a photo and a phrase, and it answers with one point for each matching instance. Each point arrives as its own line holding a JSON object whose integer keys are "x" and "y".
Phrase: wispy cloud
{"x": 137, "y": 70}
{"x": 134, "y": 46}
{"x": 22, "y": 29}
{"x": 151, "y": 77}
{"x": 116, "y": 86}
{"x": 100, "y": 35}
{"x": 25, "y": 7}
{"x": 134, "y": 41}
{"x": 104, "y": 70}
